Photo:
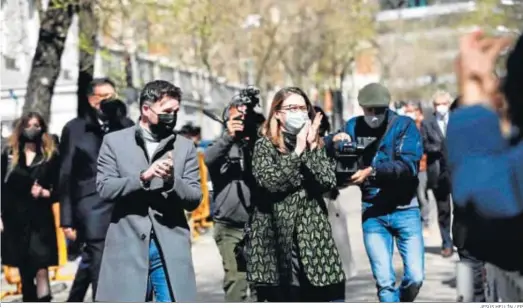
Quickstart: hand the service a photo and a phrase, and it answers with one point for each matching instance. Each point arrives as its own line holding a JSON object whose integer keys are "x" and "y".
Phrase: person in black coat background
{"x": 29, "y": 178}
{"x": 434, "y": 131}
{"x": 82, "y": 211}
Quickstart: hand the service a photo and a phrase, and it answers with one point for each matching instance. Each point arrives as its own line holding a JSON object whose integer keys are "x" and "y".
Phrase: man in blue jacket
{"x": 388, "y": 181}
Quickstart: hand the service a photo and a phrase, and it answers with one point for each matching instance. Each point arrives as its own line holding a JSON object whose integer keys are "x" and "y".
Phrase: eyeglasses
{"x": 104, "y": 95}
{"x": 294, "y": 108}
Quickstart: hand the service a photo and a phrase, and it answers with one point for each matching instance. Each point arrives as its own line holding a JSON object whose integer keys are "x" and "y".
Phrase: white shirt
{"x": 442, "y": 122}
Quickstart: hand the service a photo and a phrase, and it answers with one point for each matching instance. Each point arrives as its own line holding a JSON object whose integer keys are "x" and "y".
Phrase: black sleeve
{"x": 429, "y": 144}
{"x": 63, "y": 191}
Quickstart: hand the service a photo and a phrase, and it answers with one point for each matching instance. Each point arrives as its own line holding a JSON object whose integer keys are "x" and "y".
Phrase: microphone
{"x": 211, "y": 115}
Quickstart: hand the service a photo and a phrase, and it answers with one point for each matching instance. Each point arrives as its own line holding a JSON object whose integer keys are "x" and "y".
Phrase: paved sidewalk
{"x": 439, "y": 272}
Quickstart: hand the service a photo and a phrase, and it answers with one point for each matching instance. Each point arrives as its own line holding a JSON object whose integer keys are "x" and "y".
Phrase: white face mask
{"x": 442, "y": 110}
{"x": 294, "y": 121}
{"x": 374, "y": 121}
{"x": 411, "y": 115}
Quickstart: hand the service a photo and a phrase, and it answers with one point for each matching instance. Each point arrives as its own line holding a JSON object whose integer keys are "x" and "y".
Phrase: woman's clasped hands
{"x": 308, "y": 135}
{"x": 38, "y": 191}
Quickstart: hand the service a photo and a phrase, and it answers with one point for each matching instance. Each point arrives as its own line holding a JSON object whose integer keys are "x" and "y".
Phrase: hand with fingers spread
{"x": 475, "y": 66}
{"x": 312, "y": 137}
{"x": 162, "y": 168}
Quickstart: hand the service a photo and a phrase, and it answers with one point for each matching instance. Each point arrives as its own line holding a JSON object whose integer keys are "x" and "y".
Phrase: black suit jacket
{"x": 80, "y": 206}
{"x": 437, "y": 160}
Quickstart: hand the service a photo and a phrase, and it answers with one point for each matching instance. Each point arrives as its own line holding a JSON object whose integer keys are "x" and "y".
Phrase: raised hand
{"x": 234, "y": 126}
{"x": 301, "y": 138}
{"x": 475, "y": 66}
{"x": 313, "y": 131}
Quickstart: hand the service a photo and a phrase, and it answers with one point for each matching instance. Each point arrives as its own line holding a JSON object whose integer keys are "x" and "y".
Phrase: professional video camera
{"x": 349, "y": 158}
{"x": 248, "y": 97}
{"x": 241, "y": 108}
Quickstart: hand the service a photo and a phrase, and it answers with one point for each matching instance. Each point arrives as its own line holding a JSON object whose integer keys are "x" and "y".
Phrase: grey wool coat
{"x": 137, "y": 211}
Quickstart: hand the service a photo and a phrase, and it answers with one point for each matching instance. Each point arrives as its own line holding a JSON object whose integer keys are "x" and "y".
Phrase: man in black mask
{"x": 151, "y": 174}
{"x": 83, "y": 215}
{"x": 229, "y": 162}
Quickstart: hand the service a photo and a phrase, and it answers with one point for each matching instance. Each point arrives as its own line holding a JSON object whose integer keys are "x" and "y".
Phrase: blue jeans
{"x": 157, "y": 282}
{"x": 379, "y": 233}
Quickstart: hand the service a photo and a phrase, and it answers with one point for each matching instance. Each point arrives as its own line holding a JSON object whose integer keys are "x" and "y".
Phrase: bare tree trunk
{"x": 46, "y": 66}
{"x": 88, "y": 27}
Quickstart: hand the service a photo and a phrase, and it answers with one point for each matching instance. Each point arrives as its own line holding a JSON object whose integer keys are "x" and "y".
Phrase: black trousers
{"x": 478, "y": 270}
{"x": 442, "y": 196}
{"x": 88, "y": 271}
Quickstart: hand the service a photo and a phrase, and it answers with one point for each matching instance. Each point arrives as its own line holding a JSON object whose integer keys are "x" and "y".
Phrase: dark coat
{"x": 125, "y": 261}
{"x": 29, "y": 236}
{"x": 437, "y": 161}
{"x": 80, "y": 206}
{"x": 292, "y": 204}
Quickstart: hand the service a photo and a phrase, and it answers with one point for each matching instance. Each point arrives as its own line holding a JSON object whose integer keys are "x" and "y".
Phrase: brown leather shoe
{"x": 447, "y": 252}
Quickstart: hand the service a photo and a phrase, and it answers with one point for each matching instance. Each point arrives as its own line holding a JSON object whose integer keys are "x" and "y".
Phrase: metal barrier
{"x": 198, "y": 218}
{"x": 62, "y": 249}
{"x": 500, "y": 286}
{"x": 503, "y": 286}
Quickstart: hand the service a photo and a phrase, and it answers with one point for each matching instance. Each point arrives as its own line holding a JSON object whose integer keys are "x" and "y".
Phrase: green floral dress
{"x": 292, "y": 207}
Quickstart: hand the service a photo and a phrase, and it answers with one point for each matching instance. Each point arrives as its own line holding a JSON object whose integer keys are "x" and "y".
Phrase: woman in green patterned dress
{"x": 291, "y": 255}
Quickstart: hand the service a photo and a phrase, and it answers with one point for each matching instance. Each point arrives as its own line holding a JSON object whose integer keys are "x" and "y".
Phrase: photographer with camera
{"x": 390, "y": 149}
{"x": 229, "y": 162}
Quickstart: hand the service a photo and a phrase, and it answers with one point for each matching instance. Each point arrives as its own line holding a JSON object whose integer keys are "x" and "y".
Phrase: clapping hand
{"x": 301, "y": 138}
{"x": 312, "y": 136}
{"x": 475, "y": 66}
{"x": 162, "y": 168}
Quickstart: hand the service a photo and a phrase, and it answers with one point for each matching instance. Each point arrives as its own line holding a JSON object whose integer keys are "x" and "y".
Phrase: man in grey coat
{"x": 152, "y": 176}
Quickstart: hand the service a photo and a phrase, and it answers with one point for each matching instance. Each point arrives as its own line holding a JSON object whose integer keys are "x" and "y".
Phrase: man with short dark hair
{"x": 151, "y": 174}
{"x": 82, "y": 213}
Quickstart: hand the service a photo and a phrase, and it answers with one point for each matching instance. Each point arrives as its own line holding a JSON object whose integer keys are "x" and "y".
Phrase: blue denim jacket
{"x": 396, "y": 163}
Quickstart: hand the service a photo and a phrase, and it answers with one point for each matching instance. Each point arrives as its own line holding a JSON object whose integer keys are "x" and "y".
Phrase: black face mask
{"x": 108, "y": 110}
{"x": 165, "y": 125}
{"x": 32, "y": 134}
{"x": 289, "y": 140}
